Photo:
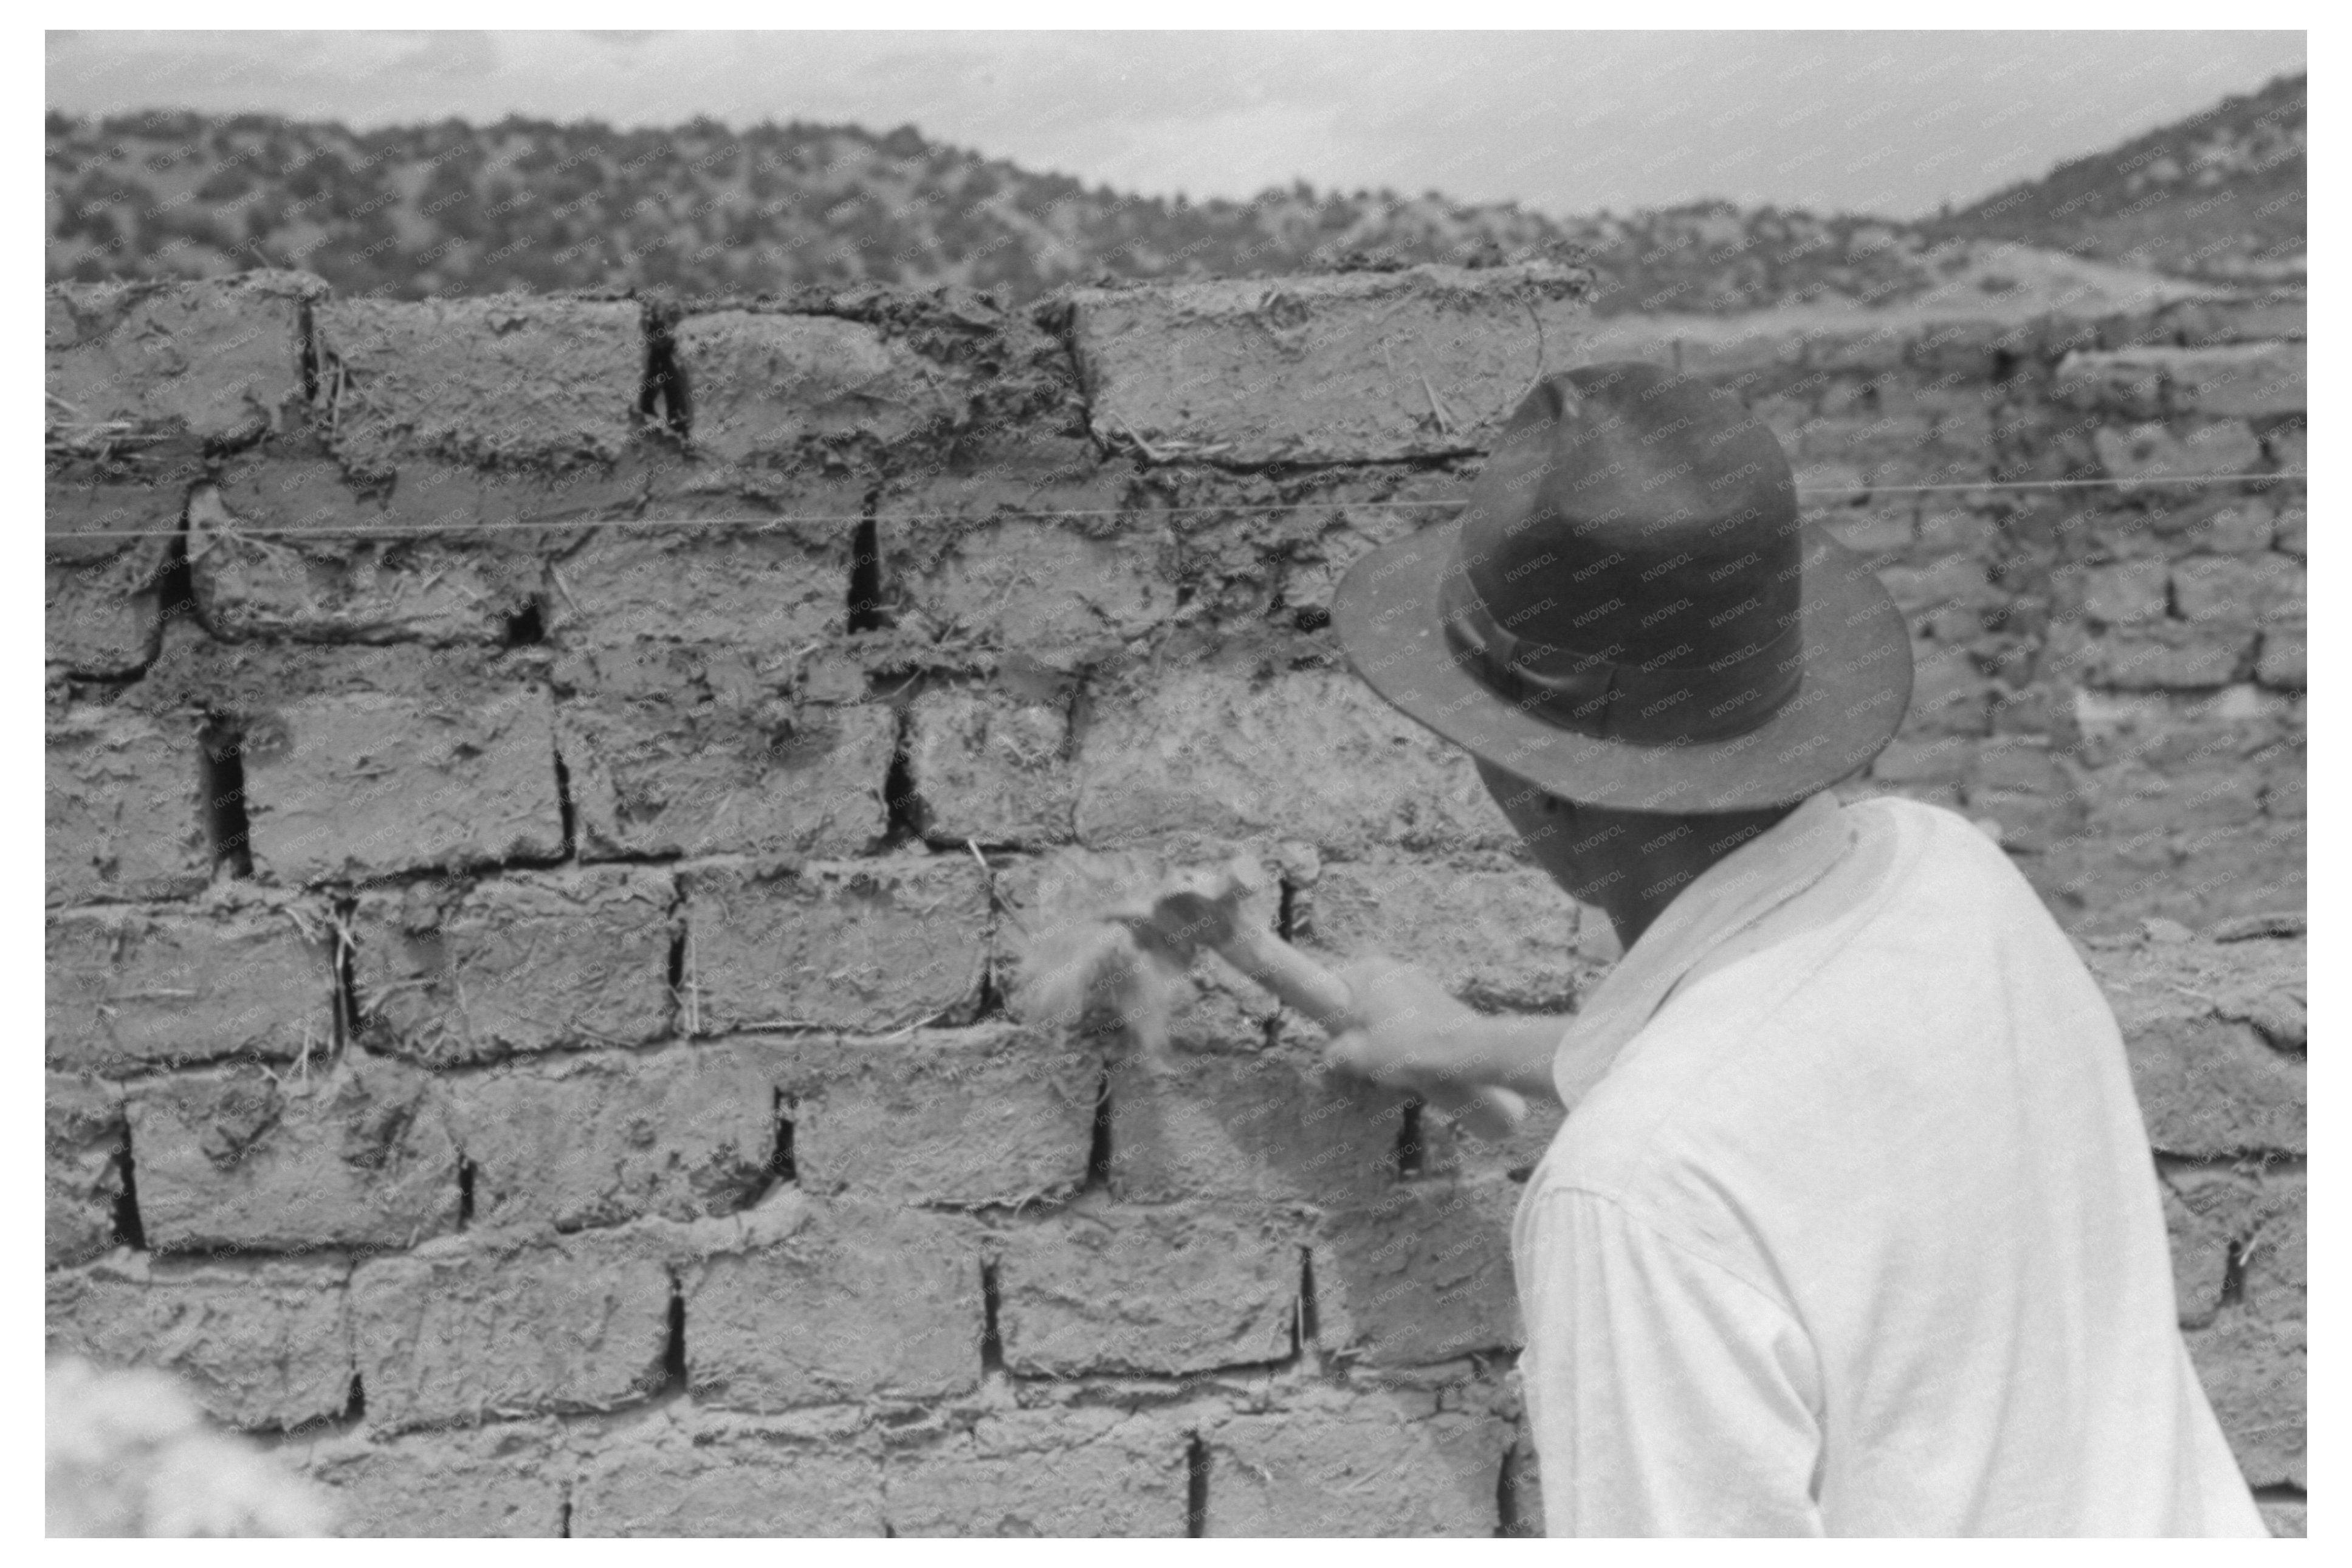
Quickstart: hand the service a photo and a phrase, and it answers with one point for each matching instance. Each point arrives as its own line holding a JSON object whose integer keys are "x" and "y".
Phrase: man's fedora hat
{"x": 1628, "y": 611}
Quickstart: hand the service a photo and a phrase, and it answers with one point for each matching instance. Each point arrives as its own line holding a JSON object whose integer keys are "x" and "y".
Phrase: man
{"x": 1853, "y": 1227}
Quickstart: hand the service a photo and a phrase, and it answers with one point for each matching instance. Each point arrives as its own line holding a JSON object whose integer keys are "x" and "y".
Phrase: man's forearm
{"x": 1520, "y": 1051}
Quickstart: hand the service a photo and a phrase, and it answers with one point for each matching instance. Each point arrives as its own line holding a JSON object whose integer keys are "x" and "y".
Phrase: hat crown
{"x": 1633, "y": 512}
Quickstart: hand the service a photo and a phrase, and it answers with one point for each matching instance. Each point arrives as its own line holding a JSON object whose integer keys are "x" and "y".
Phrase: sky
{"x": 1565, "y": 122}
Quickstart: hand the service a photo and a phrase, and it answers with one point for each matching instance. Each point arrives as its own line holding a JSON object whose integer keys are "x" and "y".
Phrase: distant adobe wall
{"x": 544, "y": 795}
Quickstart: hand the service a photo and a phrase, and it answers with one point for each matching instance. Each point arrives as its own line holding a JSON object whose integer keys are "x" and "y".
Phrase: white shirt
{"x": 1859, "y": 1235}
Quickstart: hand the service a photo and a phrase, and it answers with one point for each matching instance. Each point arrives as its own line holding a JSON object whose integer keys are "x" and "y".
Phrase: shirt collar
{"x": 1725, "y": 900}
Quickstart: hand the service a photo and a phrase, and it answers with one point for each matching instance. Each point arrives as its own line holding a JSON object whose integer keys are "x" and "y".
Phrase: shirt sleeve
{"x": 1668, "y": 1396}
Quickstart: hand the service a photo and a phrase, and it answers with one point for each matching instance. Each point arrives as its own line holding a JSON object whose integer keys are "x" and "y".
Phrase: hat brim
{"x": 1855, "y": 689}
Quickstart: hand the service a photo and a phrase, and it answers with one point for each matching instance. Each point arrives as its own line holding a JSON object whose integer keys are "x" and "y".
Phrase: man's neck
{"x": 1681, "y": 850}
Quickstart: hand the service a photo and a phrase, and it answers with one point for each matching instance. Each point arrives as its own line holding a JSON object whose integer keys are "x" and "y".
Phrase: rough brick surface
{"x": 673, "y": 757}
{"x": 1312, "y": 755}
{"x": 469, "y": 1328}
{"x": 2246, "y": 380}
{"x": 257, "y": 1342}
{"x": 82, "y": 1142}
{"x": 2254, "y": 1371}
{"x": 2209, "y": 1082}
{"x": 2218, "y": 1216}
{"x": 1419, "y": 1275}
{"x": 369, "y": 782}
{"x": 2165, "y": 655}
{"x": 1388, "y": 1463}
{"x": 103, "y": 618}
{"x": 992, "y": 1114}
{"x": 606, "y": 1136}
{"x": 1113, "y": 637}
{"x": 874, "y": 945}
{"x": 1075, "y": 1472}
{"x": 107, "y": 525}
{"x": 468, "y": 971}
{"x": 2150, "y": 454}
{"x": 1156, "y": 1290}
{"x": 765, "y": 590}
{"x": 663, "y": 1481}
{"x": 1067, "y": 594}
{"x": 2238, "y": 590}
{"x": 1498, "y": 935}
{"x": 134, "y": 987}
{"x": 507, "y": 379}
{"x": 218, "y": 361}
{"x": 125, "y": 808}
{"x": 1270, "y": 1128}
{"x": 992, "y": 767}
{"x": 358, "y": 1155}
{"x": 505, "y": 1479}
{"x": 837, "y": 1299}
{"x": 1417, "y": 363}
{"x": 777, "y": 389}
{"x": 344, "y": 589}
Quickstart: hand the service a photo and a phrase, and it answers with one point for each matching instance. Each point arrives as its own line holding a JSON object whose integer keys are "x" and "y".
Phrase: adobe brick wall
{"x": 545, "y": 795}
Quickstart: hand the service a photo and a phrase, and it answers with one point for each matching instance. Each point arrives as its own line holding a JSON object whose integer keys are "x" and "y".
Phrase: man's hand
{"x": 1413, "y": 1034}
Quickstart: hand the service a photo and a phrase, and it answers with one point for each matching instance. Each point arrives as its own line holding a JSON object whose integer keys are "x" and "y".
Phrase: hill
{"x": 2218, "y": 195}
{"x": 451, "y": 208}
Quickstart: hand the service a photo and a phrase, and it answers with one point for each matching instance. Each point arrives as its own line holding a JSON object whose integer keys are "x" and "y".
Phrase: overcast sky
{"x": 1565, "y": 122}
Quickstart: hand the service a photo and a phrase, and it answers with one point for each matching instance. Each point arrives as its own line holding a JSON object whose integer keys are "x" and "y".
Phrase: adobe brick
{"x": 1501, "y": 936}
{"x": 2254, "y": 1370}
{"x": 506, "y": 1478}
{"x": 1067, "y": 595}
{"x": 1311, "y": 755}
{"x": 217, "y": 360}
{"x": 101, "y": 591}
{"x": 872, "y": 946}
{"x": 772, "y": 388}
{"x": 1421, "y": 1274}
{"x": 2126, "y": 592}
{"x": 768, "y": 588}
{"x": 1385, "y": 1463}
{"x": 1151, "y": 1290}
{"x": 2167, "y": 655}
{"x": 1257, "y": 1130}
{"x": 1348, "y": 368}
{"x": 992, "y": 1114}
{"x": 125, "y": 807}
{"x": 82, "y": 1142}
{"x": 836, "y": 1299}
{"x": 2238, "y": 590}
{"x": 345, "y": 589}
{"x": 469, "y": 1328}
{"x": 663, "y": 1480}
{"x": 133, "y": 986}
{"x": 2212, "y": 1213}
{"x": 990, "y": 766}
{"x": 669, "y": 766}
{"x": 602, "y": 1137}
{"x": 467, "y": 970}
{"x": 1078, "y": 1471}
{"x": 2145, "y": 455}
{"x": 2207, "y": 1085}
{"x": 2281, "y": 657}
{"x": 358, "y": 1155}
{"x": 502, "y": 380}
{"x": 257, "y": 1342}
{"x": 367, "y": 781}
